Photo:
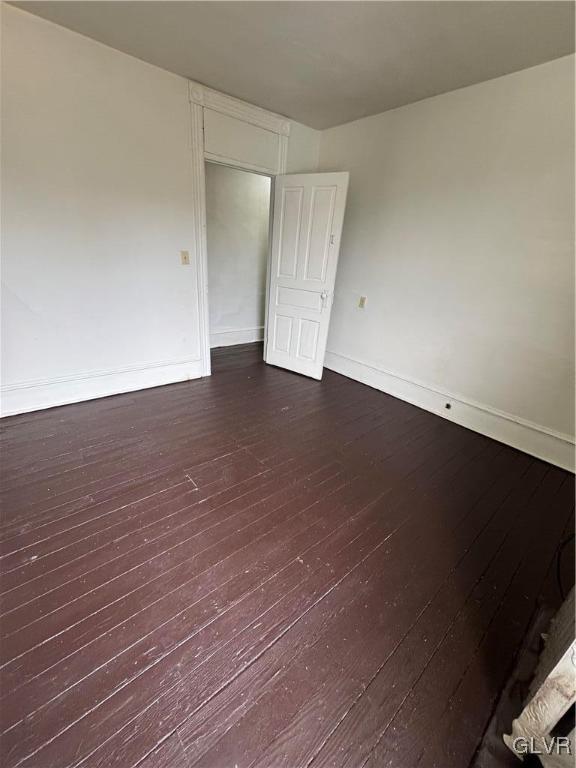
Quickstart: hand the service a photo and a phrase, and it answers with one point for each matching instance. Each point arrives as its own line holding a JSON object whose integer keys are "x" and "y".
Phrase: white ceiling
{"x": 326, "y": 63}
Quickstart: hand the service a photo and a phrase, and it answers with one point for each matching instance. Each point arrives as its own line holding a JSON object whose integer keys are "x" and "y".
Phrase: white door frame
{"x": 205, "y": 98}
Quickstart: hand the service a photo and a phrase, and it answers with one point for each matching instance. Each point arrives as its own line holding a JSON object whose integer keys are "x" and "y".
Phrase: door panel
{"x": 318, "y": 249}
{"x": 282, "y": 334}
{"x": 291, "y": 202}
{"x": 296, "y": 297}
{"x": 306, "y": 230}
{"x": 307, "y": 339}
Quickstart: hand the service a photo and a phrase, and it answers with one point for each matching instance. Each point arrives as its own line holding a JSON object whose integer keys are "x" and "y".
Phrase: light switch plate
{"x": 362, "y": 302}
{"x": 185, "y": 257}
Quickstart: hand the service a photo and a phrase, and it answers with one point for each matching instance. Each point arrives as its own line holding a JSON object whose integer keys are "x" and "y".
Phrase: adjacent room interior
{"x": 237, "y": 225}
{"x": 287, "y": 396}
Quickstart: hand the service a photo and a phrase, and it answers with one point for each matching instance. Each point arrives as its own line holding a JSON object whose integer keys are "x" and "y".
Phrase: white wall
{"x": 459, "y": 230}
{"x": 237, "y": 221}
{"x": 303, "y": 149}
{"x": 96, "y": 207}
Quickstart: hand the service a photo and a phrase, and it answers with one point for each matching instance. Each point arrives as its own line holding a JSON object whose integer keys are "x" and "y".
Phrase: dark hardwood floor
{"x": 258, "y": 569}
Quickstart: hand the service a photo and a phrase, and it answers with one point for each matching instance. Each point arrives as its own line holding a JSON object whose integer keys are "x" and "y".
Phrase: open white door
{"x": 306, "y": 231}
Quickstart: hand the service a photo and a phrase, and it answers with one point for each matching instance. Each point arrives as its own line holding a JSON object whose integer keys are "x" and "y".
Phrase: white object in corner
{"x": 554, "y": 447}
{"x": 552, "y": 693}
{"x": 306, "y": 231}
{"x": 36, "y": 395}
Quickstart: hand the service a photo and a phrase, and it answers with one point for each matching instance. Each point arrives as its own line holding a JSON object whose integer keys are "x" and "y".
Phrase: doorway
{"x": 237, "y": 233}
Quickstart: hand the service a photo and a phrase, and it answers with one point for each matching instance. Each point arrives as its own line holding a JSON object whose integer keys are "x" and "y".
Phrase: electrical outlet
{"x": 362, "y": 302}
{"x": 185, "y": 258}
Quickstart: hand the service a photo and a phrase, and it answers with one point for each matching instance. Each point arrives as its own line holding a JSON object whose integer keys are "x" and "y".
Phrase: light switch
{"x": 185, "y": 257}
{"x": 362, "y": 302}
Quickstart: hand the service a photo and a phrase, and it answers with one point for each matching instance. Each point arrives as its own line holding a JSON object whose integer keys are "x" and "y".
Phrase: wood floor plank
{"x": 48, "y": 653}
{"x": 364, "y": 724}
{"x": 169, "y": 754}
{"x": 285, "y": 587}
{"x": 502, "y": 635}
{"x": 372, "y": 622}
{"x": 103, "y": 537}
{"x": 281, "y": 476}
{"x": 213, "y": 429}
{"x": 342, "y": 414}
{"x": 289, "y": 529}
{"x": 260, "y": 569}
{"x": 61, "y": 503}
{"x": 291, "y": 597}
{"x": 429, "y": 697}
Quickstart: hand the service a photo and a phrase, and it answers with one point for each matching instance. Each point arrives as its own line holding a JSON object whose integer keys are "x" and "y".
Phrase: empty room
{"x": 287, "y": 384}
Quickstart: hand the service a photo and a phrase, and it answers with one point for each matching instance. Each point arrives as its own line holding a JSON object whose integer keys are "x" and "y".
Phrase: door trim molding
{"x": 212, "y": 157}
{"x": 554, "y": 447}
{"x": 241, "y": 110}
{"x": 202, "y": 97}
{"x": 199, "y": 215}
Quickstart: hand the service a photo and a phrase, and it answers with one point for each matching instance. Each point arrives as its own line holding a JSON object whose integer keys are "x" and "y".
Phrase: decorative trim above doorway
{"x": 228, "y": 105}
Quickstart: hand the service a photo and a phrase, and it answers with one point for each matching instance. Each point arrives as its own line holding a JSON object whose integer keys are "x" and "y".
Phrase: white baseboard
{"x": 36, "y": 395}
{"x": 555, "y": 447}
{"x": 233, "y": 336}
